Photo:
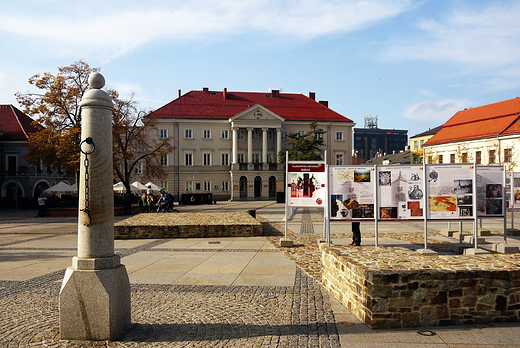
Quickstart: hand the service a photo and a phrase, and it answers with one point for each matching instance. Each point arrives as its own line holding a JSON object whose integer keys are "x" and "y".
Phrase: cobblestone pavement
{"x": 180, "y": 316}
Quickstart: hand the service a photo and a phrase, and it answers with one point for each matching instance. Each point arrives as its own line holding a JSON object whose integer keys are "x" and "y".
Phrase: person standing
{"x": 127, "y": 198}
{"x": 356, "y": 234}
{"x": 41, "y": 205}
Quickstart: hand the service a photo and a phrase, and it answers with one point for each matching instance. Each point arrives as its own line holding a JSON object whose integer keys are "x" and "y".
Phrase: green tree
{"x": 306, "y": 146}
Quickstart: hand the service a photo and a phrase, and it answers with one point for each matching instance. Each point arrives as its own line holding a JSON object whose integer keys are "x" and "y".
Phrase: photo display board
{"x": 400, "y": 192}
{"x": 351, "y": 192}
{"x": 306, "y": 184}
{"x": 515, "y": 187}
{"x": 450, "y": 191}
{"x": 490, "y": 191}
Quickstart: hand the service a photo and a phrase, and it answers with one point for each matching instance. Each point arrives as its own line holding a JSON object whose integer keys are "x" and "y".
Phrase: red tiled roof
{"x": 212, "y": 105}
{"x": 15, "y": 124}
{"x": 486, "y": 121}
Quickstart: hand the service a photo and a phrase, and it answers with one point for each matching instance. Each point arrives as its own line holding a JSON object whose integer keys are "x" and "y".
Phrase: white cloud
{"x": 117, "y": 27}
{"x": 437, "y": 111}
{"x": 482, "y": 38}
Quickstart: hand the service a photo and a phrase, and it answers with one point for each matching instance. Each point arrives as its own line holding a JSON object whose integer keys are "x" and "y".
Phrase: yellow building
{"x": 416, "y": 142}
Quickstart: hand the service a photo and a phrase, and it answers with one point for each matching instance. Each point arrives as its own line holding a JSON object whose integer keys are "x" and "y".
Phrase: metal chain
{"x": 86, "y": 163}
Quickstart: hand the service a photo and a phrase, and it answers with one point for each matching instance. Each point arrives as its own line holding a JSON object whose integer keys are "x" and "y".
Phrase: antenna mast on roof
{"x": 370, "y": 122}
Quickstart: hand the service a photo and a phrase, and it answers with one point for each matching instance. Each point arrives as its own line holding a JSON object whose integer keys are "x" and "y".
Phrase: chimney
{"x": 275, "y": 93}
{"x": 312, "y": 95}
{"x": 225, "y": 93}
{"x": 180, "y": 93}
{"x": 324, "y": 103}
{"x": 205, "y": 89}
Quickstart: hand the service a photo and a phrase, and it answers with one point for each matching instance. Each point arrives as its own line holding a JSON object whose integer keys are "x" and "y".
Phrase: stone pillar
{"x": 264, "y": 145}
{"x": 250, "y": 145}
{"x": 234, "y": 154}
{"x": 278, "y": 143}
{"x": 95, "y": 293}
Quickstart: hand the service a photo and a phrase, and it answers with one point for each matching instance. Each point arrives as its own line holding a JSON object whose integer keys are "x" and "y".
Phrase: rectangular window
{"x": 163, "y": 133}
{"x": 225, "y": 134}
{"x": 269, "y": 158}
{"x": 491, "y": 156}
{"x": 206, "y": 159}
{"x": 240, "y": 135}
{"x": 255, "y": 135}
{"x": 164, "y": 185}
{"x": 225, "y": 159}
{"x": 430, "y": 159}
{"x": 188, "y": 134}
{"x": 319, "y": 136}
{"x": 465, "y": 157}
{"x": 207, "y": 186}
{"x": 189, "y": 186}
{"x": 188, "y": 159}
{"x": 240, "y": 158}
{"x": 284, "y": 135}
{"x": 339, "y": 159}
{"x": 508, "y": 155}
{"x": 422, "y": 142}
{"x": 415, "y": 145}
{"x": 256, "y": 158}
{"x": 207, "y": 134}
{"x": 138, "y": 169}
{"x": 225, "y": 185}
{"x": 478, "y": 157}
{"x": 440, "y": 159}
{"x": 164, "y": 160}
{"x": 452, "y": 158}
{"x": 339, "y": 136}
{"x": 269, "y": 135}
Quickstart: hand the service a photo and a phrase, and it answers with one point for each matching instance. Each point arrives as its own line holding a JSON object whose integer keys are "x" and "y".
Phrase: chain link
{"x": 86, "y": 164}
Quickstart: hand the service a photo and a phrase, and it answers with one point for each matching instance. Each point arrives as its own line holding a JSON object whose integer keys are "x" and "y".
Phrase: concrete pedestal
{"x": 286, "y": 243}
{"x": 94, "y": 304}
{"x": 427, "y": 252}
{"x": 473, "y": 251}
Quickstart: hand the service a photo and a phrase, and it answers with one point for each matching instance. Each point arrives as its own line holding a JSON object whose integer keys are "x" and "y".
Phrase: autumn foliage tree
{"x": 136, "y": 142}
{"x": 58, "y": 116}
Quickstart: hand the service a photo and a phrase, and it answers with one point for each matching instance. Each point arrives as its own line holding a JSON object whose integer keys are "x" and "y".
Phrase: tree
{"x": 58, "y": 116}
{"x": 136, "y": 142}
{"x": 306, "y": 146}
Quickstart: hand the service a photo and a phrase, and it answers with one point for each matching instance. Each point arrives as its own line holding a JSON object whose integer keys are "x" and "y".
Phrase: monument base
{"x": 94, "y": 304}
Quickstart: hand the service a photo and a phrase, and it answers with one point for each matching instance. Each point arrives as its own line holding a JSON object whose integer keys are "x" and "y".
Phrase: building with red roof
{"x": 20, "y": 182}
{"x": 226, "y": 143}
{"x": 487, "y": 135}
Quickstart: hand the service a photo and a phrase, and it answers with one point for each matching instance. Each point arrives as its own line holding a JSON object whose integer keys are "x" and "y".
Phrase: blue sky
{"x": 412, "y": 63}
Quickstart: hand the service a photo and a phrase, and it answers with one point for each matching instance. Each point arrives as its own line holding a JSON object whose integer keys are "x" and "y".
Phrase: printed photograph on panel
{"x": 345, "y": 175}
{"x": 362, "y": 175}
{"x": 385, "y": 178}
{"x": 465, "y": 200}
{"x": 461, "y": 187}
{"x": 443, "y": 203}
{"x": 465, "y": 211}
{"x": 364, "y": 211}
{"x": 493, "y": 191}
{"x": 493, "y": 206}
{"x": 388, "y": 213}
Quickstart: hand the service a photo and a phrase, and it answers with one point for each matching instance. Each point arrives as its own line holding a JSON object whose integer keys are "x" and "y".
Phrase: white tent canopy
{"x": 139, "y": 185}
{"x": 120, "y": 188}
{"x": 153, "y": 186}
{"x": 61, "y": 188}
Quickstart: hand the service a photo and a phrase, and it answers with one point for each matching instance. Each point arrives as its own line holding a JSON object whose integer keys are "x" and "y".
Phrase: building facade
{"x": 227, "y": 144}
{"x": 416, "y": 144}
{"x": 20, "y": 182}
{"x": 371, "y": 141}
{"x": 486, "y": 135}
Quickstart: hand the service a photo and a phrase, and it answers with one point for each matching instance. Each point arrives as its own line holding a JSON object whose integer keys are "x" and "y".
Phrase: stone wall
{"x": 397, "y": 287}
{"x": 188, "y": 225}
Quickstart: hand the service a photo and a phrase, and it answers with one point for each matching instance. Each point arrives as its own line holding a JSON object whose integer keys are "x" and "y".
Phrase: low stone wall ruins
{"x": 187, "y": 225}
{"x": 397, "y": 287}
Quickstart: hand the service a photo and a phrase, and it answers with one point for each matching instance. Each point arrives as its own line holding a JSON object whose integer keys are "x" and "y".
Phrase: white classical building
{"x": 486, "y": 135}
{"x": 226, "y": 143}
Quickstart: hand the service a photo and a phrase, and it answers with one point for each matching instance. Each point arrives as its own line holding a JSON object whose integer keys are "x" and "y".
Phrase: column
{"x": 278, "y": 143}
{"x": 264, "y": 145}
{"x": 250, "y": 145}
{"x": 234, "y": 153}
{"x": 95, "y": 294}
